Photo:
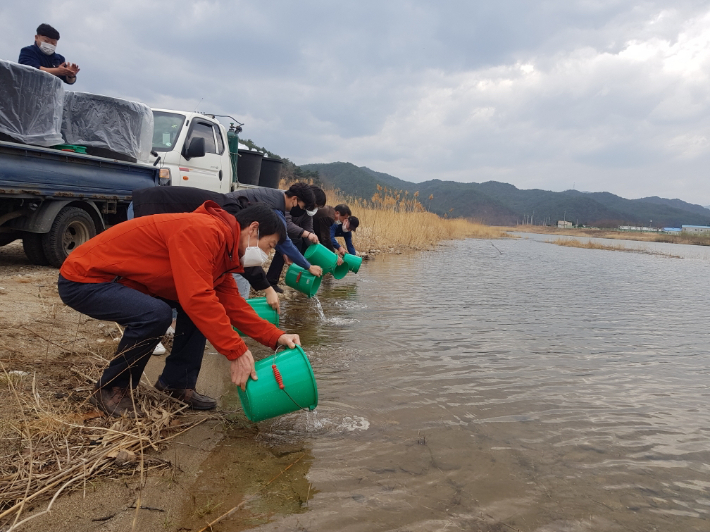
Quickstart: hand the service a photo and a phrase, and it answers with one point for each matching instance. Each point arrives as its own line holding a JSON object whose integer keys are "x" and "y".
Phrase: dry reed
{"x": 574, "y": 243}
{"x": 615, "y": 234}
{"x": 396, "y": 220}
{"x": 60, "y": 447}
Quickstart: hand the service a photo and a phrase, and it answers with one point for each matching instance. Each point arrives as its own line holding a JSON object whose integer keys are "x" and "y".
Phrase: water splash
{"x": 354, "y": 423}
{"x": 314, "y": 424}
{"x": 320, "y": 309}
{"x": 334, "y": 321}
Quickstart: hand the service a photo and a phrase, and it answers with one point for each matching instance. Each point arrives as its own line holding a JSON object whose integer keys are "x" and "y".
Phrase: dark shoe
{"x": 115, "y": 401}
{"x": 195, "y": 400}
{"x": 277, "y": 288}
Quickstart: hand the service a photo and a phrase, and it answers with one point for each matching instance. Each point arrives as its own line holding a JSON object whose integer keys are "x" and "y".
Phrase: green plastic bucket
{"x": 302, "y": 280}
{"x": 341, "y": 271}
{"x": 321, "y": 256}
{"x": 70, "y": 147}
{"x": 353, "y": 262}
{"x": 287, "y": 387}
{"x": 264, "y": 311}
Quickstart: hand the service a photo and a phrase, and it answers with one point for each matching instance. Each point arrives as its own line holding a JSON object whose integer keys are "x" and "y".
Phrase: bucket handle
{"x": 279, "y": 378}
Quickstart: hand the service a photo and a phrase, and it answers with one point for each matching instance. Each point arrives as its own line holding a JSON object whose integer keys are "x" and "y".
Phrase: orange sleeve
{"x": 193, "y": 251}
{"x": 244, "y": 317}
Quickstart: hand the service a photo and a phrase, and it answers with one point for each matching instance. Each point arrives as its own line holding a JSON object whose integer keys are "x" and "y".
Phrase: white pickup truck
{"x": 194, "y": 148}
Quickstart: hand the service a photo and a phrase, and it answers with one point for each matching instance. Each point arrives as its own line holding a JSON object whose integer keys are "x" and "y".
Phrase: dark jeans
{"x": 145, "y": 320}
{"x": 277, "y": 263}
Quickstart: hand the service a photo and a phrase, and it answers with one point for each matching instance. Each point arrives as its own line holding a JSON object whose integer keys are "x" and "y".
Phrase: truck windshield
{"x": 166, "y": 130}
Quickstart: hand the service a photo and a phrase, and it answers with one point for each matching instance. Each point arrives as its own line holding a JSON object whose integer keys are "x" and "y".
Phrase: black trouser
{"x": 277, "y": 263}
{"x": 145, "y": 320}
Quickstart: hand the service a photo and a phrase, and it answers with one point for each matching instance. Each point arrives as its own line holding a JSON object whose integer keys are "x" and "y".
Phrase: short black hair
{"x": 319, "y": 195}
{"x": 269, "y": 221}
{"x": 304, "y": 193}
{"x": 45, "y": 30}
{"x": 343, "y": 209}
{"x": 353, "y": 223}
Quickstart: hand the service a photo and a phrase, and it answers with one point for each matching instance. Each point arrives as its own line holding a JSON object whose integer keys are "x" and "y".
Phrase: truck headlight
{"x": 164, "y": 176}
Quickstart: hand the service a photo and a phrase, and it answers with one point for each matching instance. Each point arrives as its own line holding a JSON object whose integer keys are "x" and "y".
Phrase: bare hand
{"x": 64, "y": 70}
{"x": 340, "y": 260}
{"x": 272, "y": 299}
{"x": 316, "y": 270}
{"x": 341, "y": 251}
{"x": 242, "y": 368}
{"x": 289, "y": 340}
{"x": 287, "y": 260}
{"x": 313, "y": 238}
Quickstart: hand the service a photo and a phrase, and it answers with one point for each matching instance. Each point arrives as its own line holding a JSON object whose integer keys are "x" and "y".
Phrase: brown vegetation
{"x": 55, "y": 444}
{"x": 691, "y": 239}
{"x": 397, "y": 220}
{"x": 574, "y": 243}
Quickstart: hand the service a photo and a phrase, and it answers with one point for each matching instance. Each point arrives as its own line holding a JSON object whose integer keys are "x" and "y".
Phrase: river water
{"x": 512, "y": 385}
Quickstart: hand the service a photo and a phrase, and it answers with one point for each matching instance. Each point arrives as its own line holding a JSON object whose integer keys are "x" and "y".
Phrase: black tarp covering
{"x": 112, "y": 126}
{"x": 31, "y": 104}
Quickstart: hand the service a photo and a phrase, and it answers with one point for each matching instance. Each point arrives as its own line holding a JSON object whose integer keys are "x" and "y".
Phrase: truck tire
{"x": 70, "y": 229}
{"x": 7, "y": 238}
{"x": 32, "y": 244}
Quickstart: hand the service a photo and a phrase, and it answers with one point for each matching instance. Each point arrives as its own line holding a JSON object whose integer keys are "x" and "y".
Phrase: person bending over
{"x": 42, "y": 55}
{"x": 154, "y": 200}
{"x": 135, "y": 272}
{"x": 343, "y": 227}
{"x": 297, "y": 201}
{"x": 302, "y": 237}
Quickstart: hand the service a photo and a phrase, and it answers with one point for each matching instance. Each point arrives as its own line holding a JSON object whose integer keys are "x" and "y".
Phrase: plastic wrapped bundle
{"x": 31, "y": 104}
{"x": 108, "y": 127}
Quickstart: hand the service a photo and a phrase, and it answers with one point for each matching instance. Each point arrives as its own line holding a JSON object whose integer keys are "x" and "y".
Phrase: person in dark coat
{"x": 302, "y": 235}
{"x": 42, "y": 55}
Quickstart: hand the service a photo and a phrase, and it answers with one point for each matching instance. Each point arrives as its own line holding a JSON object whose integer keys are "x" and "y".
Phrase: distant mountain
{"x": 503, "y": 204}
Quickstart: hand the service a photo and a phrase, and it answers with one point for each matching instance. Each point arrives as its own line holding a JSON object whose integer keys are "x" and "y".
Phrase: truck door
{"x": 203, "y": 172}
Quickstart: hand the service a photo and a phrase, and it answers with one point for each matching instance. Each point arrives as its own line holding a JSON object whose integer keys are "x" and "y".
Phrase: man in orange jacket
{"x": 135, "y": 272}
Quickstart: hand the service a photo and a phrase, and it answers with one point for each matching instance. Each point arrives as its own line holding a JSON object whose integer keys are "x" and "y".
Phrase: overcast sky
{"x": 597, "y": 95}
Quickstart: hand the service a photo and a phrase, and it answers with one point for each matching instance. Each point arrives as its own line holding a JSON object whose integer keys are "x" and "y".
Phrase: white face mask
{"x": 254, "y": 255}
{"x": 313, "y": 212}
{"x": 47, "y": 48}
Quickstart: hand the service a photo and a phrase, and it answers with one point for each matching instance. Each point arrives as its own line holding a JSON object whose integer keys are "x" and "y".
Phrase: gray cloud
{"x": 606, "y": 95}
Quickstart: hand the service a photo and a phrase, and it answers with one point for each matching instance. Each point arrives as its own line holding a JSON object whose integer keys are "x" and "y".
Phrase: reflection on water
{"x": 535, "y": 388}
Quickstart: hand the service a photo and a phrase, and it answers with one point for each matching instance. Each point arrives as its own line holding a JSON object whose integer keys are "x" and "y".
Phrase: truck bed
{"x": 31, "y": 172}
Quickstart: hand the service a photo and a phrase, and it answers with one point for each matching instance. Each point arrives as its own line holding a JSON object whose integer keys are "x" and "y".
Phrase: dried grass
{"x": 396, "y": 220}
{"x": 59, "y": 447}
{"x": 574, "y": 243}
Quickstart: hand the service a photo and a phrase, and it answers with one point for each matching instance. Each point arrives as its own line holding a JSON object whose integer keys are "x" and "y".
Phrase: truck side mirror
{"x": 196, "y": 148}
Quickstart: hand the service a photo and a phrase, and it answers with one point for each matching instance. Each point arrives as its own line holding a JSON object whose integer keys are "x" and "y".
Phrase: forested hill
{"x": 503, "y": 204}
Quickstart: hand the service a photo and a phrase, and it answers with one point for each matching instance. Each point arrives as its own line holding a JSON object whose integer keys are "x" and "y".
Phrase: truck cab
{"x": 193, "y": 147}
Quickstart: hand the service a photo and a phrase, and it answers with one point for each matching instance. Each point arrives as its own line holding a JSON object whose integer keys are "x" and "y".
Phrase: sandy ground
{"x": 612, "y": 235}
{"x": 39, "y": 335}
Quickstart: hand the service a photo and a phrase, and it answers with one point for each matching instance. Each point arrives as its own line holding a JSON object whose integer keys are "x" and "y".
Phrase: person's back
{"x": 322, "y": 221}
{"x": 272, "y": 197}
